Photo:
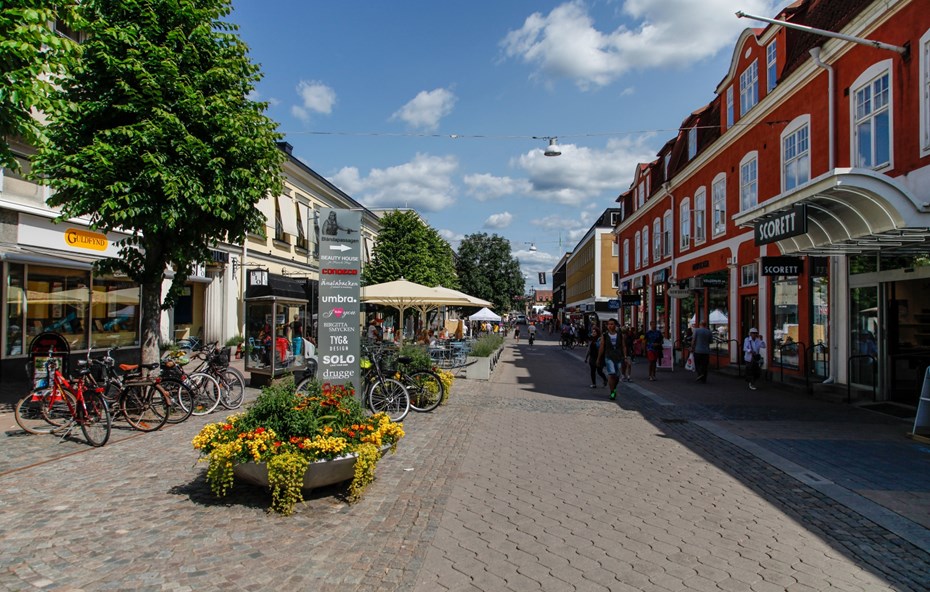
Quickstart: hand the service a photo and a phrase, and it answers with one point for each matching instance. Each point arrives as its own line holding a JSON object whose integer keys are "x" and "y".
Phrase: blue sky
{"x": 434, "y": 105}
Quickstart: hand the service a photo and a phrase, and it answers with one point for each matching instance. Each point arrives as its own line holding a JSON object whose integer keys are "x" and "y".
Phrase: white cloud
{"x": 661, "y": 33}
{"x": 424, "y": 183}
{"x": 498, "y": 221}
{"x": 581, "y": 173}
{"x": 485, "y": 186}
{"x": 256, "y": 96}
{"x": 426, "y": 109}
{"x": 315, "y": 97}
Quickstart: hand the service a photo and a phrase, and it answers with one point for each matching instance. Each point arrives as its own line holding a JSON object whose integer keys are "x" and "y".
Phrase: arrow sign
{"x": 338, "y": 248}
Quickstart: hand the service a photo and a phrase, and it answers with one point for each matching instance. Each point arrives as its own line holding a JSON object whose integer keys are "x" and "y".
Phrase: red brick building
{"x": 798, "y": 200}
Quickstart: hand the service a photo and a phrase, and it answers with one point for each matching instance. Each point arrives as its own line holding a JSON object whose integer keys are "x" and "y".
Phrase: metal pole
{"x": 876, "y": 44}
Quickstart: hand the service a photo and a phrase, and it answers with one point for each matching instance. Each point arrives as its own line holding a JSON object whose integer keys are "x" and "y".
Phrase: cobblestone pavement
{"x": 529, "y": 482}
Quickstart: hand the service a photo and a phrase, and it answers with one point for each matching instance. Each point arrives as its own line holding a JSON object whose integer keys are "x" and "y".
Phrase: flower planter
{"x": 319, "y": 474}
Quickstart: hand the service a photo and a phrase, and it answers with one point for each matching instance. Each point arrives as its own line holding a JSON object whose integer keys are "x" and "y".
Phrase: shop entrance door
{"x": 749, "y": 315}
{"x": 907, "y": 323}
{"x": 864, "y": 337}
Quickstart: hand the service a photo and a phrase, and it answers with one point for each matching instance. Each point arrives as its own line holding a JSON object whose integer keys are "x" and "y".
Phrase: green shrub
{"x": 419, "y": 355}
{"x": 484, "y": 346}
{"x": 234, "y": 341}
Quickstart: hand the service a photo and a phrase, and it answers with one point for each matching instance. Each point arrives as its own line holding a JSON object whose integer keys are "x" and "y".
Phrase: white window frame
{"x": 700, "y": 215}
{"x": 749, "y": 274}
{"x": 692, "y": 143}
{"x": 866, "y": 82}
{"x": 626, "y": 256}
{"x": 637, "y": 251}
{"x": 749, "y": 181}
{"x": 925, "y": 94}
{"x": 645, "y": 236}
{"x": 799, "y": 124}
{"x": 656, "y": 240}
{"x": 668, "y": 160}
{"x": 614, "y": 249}
{"x": 667, "y": 234}
{"x": 771, "y": 66}
{"x": 749, "y": 87}
{"x": 719, "y": 205}
{"x": 684, "y": 216}
{"x": 731, "y": 116}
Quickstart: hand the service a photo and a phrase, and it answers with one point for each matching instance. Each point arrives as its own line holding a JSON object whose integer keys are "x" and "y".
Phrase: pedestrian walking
{"x": 654, "y": 341}
{"x": 700, "y": 340}
{"x": 626, "y": 370}
{"x": 752, "y": 353}
{"x": 592, "y": 358}
{"x": 516, "y": 333}
{"x": 611, "y": 355}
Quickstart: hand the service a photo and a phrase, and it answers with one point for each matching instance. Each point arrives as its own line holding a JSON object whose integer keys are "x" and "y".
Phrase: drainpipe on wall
{"x": 834, "y": 264}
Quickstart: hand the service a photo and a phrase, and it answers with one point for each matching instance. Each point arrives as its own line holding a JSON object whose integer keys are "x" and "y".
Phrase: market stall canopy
{"x": 485, "y": 314}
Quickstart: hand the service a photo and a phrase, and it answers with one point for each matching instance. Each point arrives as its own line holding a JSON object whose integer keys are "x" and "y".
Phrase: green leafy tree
{"x": 408, "y": 248}
{"x": 32, "y": 58}
{"x": 488, "y": 270}
{"x": 158, "y": 139}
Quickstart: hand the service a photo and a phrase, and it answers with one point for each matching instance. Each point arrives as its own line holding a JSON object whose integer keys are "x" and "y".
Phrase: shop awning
{"x": 288, "y": 214}
{"x": 279, "y": 287}
{"x": 53, "y": 257}
{"x": 850, "y": 211}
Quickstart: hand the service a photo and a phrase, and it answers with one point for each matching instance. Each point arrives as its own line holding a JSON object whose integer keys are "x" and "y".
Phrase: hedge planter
{"x": 481, "y": 368}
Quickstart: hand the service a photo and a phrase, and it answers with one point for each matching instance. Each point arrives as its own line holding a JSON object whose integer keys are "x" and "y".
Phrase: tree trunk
{"x": 151, "y": 322}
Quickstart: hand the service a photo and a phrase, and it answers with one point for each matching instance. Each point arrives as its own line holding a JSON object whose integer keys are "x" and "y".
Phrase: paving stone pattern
{"x": 529, "y": 482}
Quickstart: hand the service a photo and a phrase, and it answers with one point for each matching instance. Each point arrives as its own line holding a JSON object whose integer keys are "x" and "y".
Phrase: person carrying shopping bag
{"x": 752, "y": 353}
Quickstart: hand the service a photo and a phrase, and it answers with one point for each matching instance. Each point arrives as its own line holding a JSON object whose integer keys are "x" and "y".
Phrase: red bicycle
{"x": 64, "y": 404}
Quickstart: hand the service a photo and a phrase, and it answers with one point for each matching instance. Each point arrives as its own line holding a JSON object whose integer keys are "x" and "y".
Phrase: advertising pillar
{"x": 339, "y": 320}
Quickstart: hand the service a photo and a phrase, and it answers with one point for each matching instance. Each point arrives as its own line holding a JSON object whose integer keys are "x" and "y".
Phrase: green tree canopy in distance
{"x": 408, "y": 248}
{"x": 488, "y": 270}
{"x": 157, "y": 137}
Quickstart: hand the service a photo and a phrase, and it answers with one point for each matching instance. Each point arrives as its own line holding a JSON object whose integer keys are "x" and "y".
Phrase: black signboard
{"x": 782, "y": 266}
{"x": 631, "y": 300}
{"x": 718, "y": 279}
{"x": 784, "y": 224}
{"x": 820, "y": 266}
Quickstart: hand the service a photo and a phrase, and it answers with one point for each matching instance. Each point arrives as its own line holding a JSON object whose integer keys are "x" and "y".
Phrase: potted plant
{"x": 288, "y": 440}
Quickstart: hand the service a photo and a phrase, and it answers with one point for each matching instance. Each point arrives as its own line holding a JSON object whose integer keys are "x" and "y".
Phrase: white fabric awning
{"x": 266, "y": 207}
{"x": 850, "y": 211}
{"x": 288, "y": 214}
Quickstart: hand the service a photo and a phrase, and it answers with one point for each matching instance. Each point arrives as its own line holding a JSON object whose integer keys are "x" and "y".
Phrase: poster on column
{"x": 340, "y": 268}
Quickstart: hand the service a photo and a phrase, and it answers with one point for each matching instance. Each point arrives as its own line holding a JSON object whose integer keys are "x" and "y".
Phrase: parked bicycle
{"x": 424, "y": 387}
{"x": 215, "y": 362}
{"x": 205, "y": 388}
{"x": 142, "y": 401}
{"x": 62, "y": 404}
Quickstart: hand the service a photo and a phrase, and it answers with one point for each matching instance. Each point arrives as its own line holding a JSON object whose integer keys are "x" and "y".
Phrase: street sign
{"x": 613, "y": 304}
{"x": 338, "y": 348}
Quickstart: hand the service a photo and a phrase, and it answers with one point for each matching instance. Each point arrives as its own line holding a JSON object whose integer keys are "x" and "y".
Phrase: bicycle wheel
{"x": 207, "y": 392}
{"x": 94, "y": 417}
{"x": 303, "y": 387}
{"x": 389, "y": 396}
{"x": 233, "y": 385}
{"x": 180, "y": 399}
{"x": 145, "y": 406}
{"x": 425, "y": 390}
{"x": 41, "y": 413}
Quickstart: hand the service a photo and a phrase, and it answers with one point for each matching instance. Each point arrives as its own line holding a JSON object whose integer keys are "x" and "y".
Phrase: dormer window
{"x": 692, "y": 143}
{"x": 771, "y": 66}
{"x": 730, "y": 113}
{"x": 749, "y": 87}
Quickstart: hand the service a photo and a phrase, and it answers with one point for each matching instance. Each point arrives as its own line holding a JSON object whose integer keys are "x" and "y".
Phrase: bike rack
{"x": 802, "y": 362}
{"x": 849, "y": 362}
{"x": 825, "y": 353}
